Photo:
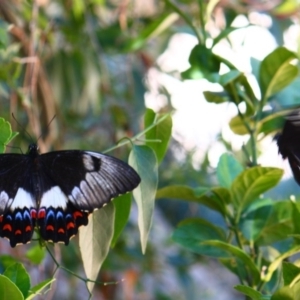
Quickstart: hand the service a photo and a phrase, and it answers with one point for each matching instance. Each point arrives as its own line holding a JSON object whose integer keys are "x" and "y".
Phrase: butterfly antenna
{"x": 47, "y": 126}
{"x": 21, "y": 126}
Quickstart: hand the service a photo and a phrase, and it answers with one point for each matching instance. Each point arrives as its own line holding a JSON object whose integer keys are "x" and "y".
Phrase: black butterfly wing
{"x": 77, "y": 182}
{"x": 289, "y": 143}
{"x": 17, "y": 201}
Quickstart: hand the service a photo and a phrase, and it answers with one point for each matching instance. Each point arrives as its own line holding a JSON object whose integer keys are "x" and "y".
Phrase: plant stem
{"x": 186, "y": 18}
{"x": 125, "y": 141}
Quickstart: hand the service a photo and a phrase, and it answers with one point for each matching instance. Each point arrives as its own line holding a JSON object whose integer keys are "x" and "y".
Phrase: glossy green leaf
{"x": 229, "y": 77}
{"x": 287, "y": 293}
{"x": 4, "y": 35}
{"x": 250, "y": 292}
{"x": 235, "y": 266}
{"x": 122, "y": 210}
{"x": 224, "y": 33}
{"x": 8, "y": 290}
{"x": 215, "y": 198}
{"x": 276, "y": 71}
{"x": 5, "y": 134}
{"x": 161, "y": 132}
{"x": 278, "y": 261}
{"x": 6, "y": 261}
{"x": 289, "y": 272}
{"x": 251, "y": 183}
{"x": 253, "y": 223}
{"x": 228, "y": 169}
{"x": 36, "y": 254}
{"x": 237, "y": 253}
{"x": 37, "y": 289}
{"x": 19, "y": 276}
{"x": 95, "y": 240}
{"x": 272, "y": 121}
{"x": 237, "y": 125}
{"x": 143, "y": 160}
{"x": 216, "y": 97}
{"x": 268, "y": 223}
{"x": 191, "y": 233}
{"x": 296, "y": 216}
{"x": 202, "y": 60}
{"x": 154, "y": 29}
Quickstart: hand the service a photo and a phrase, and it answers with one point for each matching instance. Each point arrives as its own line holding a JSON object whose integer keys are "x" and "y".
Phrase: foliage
{"x": 78, "y": 61}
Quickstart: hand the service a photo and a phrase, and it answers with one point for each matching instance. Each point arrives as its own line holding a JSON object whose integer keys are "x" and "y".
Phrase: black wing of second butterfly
{"x": 289, "y": 142}
{"x": 73, "y": 184}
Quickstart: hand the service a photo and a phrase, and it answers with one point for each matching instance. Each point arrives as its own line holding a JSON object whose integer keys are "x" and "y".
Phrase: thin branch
{"x": 137, "y": 137}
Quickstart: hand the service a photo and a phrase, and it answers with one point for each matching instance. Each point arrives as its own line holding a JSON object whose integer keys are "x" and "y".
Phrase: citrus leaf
{"x": 143, "y": 160}
{"x": 95, "y": 240}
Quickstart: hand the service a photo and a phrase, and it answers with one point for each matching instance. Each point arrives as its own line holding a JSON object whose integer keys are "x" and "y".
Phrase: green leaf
{"x": 250, "y": 292}
{"x": 203, "y": 61}
{"x": 8, "y": 290}
{"x": 122, "y": 210}
{"x": 216, "y": 97}
{"x": 266, "y": 224}
{"x": 235, "y": 266}
{"x": 272, "y": 121}
{"x": 289, "y": 272}
{"x": 279, "y": 225}
{"x": 296, "y": 216}
{"x": 277, "y": 72}
{"x": 6, "y": 261}
{"x": 251, "y": 183}
{"x": 277, "y": 262}
{"x": 143, "y": 160}
{"x": 228, "y": 169}
{"x": 19, "y": 276}
{"x": 36, "y": 290}
{"x": 5, "y": 134}
{"x": 191, "y": 233}
{"x": 36, "y": 254}
{"x": 215, "y": 198}
{"x": 95, "y": 240}
{"x": 4, "y": 35}
{"x": 159, "y": 25}
{"x": 229, "y": 77}
{"x": 161, "y": 131}
{"x": 239, "y": 254}
{"x": 237, "y": 125}
{"x": 223, "y": 34}
{"x": 287, "y": 293}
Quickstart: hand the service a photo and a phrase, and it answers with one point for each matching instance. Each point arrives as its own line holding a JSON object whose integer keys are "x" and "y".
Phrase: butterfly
{"x": 56, "y": 191}
{"x": 289, "y": 143}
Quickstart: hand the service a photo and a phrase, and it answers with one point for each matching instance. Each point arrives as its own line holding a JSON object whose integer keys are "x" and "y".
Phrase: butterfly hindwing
{"x": 17, "y": 203}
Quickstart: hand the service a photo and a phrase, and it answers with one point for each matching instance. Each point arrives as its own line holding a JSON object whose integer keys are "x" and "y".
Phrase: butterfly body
{"x": 289, "y": 143}
{"x": 56, "y": 191}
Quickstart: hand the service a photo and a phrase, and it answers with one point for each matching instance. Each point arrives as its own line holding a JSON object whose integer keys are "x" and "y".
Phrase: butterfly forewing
{"x": 56, "y": 191}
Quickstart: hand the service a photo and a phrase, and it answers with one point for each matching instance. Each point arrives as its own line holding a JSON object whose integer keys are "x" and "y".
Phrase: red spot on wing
{"x": 61, "y": 230}
{"x": 1, "y": 219}
{"x": 50, "y": 227}
{"x": 33, "y": 213}
{"x": 77, "y": 214}
{"x": 18, "y": 232}
{"x": 28, "y": 228}
{"x": 70, "y": 225}
{"x": 7, "y": 227}
{"x": 41, "y": 214}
